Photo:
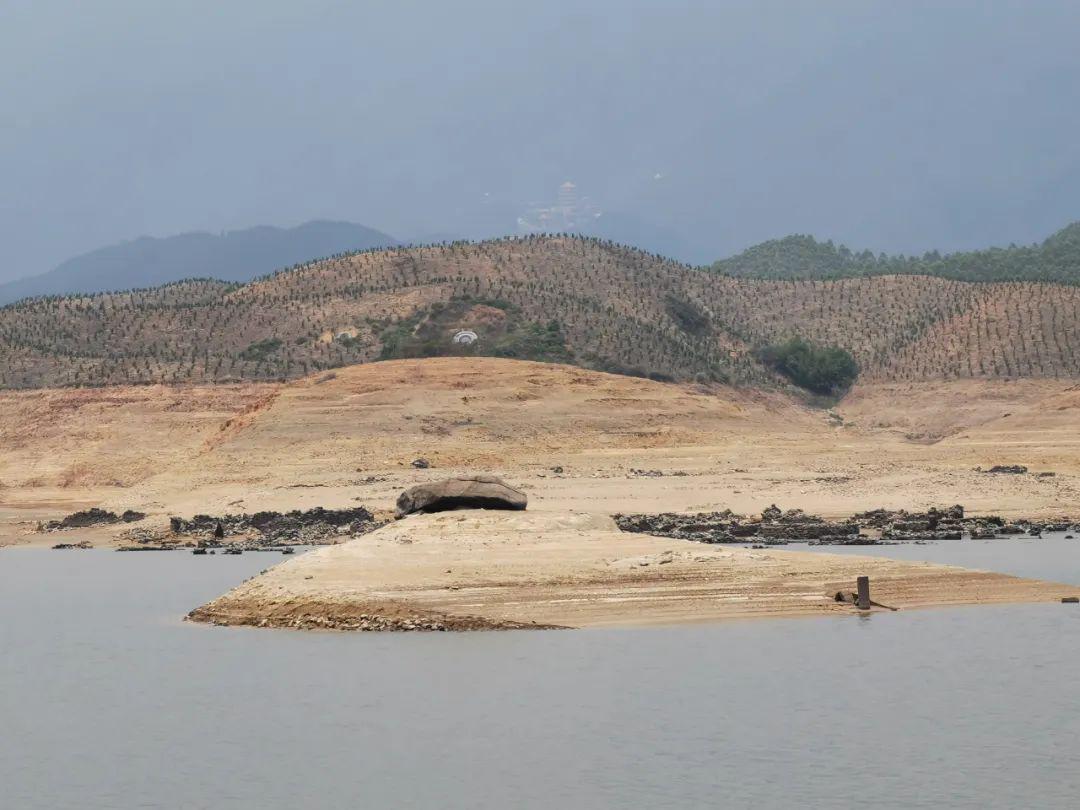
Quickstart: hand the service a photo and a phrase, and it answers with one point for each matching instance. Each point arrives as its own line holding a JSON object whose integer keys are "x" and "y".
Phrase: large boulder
{"x": 466, "y": 492}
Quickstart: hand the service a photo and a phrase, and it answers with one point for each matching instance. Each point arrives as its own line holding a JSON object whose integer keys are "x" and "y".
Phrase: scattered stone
{"x": 372, "y": 479}
{"x": 466, "y": 492}
{"x": 421, "y": 463}
{"x": 1070, "y": 600}
{"x": 82, "y": 544}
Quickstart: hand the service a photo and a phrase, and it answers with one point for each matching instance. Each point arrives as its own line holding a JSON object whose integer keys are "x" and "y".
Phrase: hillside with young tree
{"x": 565, "y": 299}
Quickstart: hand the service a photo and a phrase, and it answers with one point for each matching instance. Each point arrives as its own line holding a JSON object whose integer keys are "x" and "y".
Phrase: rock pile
{"x": 901, "y": 525}
{"x": 795, "y": 524}
{"x": 774, "y": 527}
{"x": 950, "y": 524}
{"x": 990, "y": 526}
{"x": 91, "y": 517}
{"x": 703, "y": 527}
{"x": 316, "y": 526}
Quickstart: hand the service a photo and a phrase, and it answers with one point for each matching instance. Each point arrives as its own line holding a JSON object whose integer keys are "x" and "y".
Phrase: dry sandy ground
{"x": 464, "y": 570}
{"x": 348, "y": 438}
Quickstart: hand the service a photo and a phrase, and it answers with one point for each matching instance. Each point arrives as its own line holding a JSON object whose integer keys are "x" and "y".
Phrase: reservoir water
{"x": 108, "y": 700}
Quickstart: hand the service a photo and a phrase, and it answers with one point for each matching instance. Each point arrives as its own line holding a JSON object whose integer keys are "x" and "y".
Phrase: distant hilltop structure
{"x": 570, "y": 212}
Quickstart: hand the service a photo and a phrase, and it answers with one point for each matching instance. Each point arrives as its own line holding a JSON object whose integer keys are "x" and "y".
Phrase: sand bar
{"x": 489, "y": 569}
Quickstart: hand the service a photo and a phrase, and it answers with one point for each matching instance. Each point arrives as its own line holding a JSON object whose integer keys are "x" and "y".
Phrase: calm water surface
{"x": 107, "y": 700}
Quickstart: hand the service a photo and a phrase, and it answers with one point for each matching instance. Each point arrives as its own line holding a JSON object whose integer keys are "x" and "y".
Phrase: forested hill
{"x": 1057, "y": 259}
{"x": 559, "y": 298}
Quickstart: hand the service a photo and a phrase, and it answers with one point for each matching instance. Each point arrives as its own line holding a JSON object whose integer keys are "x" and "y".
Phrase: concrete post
{"x": 863, "y": 601}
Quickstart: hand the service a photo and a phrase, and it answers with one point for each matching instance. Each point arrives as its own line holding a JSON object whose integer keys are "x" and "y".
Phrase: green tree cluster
{"x": 1057, "y": 259}
{"x": 821, "y": 369}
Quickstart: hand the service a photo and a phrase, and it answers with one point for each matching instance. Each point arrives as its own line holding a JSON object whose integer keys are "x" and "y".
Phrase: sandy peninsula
{"x": 491, "y": 569}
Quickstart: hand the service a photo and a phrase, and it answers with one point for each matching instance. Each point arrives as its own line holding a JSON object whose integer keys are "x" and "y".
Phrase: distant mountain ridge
{"x": 1056, "y": 259}
{"x": 237, "y": 256}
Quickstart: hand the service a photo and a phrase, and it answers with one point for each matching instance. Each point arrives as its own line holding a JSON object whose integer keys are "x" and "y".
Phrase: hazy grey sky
{"x": 898, "y": 126}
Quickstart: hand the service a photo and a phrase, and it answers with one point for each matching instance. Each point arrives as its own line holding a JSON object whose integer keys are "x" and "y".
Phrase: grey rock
{"x": 466, "y": 492}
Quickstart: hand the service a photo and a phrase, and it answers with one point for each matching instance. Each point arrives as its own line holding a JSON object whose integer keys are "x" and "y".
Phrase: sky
{"x": 705, "y": 127}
